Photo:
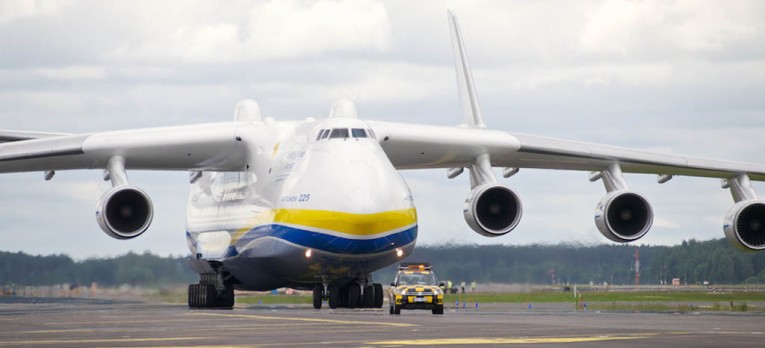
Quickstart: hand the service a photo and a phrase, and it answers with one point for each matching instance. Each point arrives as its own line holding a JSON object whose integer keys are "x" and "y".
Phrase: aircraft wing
{"x": 212, "y": 146}
{"x": 422, "y": 146}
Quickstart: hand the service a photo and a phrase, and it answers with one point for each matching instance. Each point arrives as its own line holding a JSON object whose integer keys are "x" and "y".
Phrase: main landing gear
{"x": 211, "y": 292}
{"x": 349, "y": 295}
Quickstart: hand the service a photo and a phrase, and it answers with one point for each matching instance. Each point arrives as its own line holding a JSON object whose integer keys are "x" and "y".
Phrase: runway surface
{"x": 85, "y": 323}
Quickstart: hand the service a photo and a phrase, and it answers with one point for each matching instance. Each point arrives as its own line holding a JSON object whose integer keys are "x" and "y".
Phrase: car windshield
{"x": 417, "y": 279}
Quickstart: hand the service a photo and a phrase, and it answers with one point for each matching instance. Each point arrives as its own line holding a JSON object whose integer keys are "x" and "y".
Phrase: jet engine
{"x": 623, "y": 216}
{"x": 124, "y": 212}
{"x": 492, "y": 210}
{"x": 744, "y": 225}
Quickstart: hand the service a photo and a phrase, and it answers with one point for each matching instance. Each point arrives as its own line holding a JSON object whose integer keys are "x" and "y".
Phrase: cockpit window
{"x": 325, "y": 134}
{"x": 318, "y": 136}
{"x": 358, "y": 133}
{"x": 339, "y": 133}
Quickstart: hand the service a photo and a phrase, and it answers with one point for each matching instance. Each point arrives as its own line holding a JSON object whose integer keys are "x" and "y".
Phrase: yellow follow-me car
{"x": 416, "y": 287}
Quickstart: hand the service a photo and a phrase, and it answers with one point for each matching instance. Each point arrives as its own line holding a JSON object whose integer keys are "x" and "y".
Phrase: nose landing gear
{"x": 349, "y": 295}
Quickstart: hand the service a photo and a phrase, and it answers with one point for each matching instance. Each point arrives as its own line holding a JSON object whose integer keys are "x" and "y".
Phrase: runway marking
{"x": 524, "y": 340}
{"x": 99, "y": 340}
{"x": 112, "y": 330}
{"x": 45, "y": 332}
{"x": 108, "y": 322}
{"x": 312, "y": 320}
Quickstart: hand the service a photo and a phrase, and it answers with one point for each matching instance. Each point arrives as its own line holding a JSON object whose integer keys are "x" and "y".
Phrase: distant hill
{"x": 693, "y": 262}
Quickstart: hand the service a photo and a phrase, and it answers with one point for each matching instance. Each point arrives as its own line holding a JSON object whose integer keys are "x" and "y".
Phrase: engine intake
{"x": 124, "y": 212}
{"x": 744, "y": 225}
{"x": 623, "y": 216}
{"x": 492, "y": 210}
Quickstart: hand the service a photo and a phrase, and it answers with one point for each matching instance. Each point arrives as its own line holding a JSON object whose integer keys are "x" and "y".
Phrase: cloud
{"x": 649, "y": 28}
{"x": 73, "y": 73}
{"x": 11, "y": 10}
{"x": 287, "y": 29}
{"x": 669, "y": 76}
{"x": 261, "y": 31}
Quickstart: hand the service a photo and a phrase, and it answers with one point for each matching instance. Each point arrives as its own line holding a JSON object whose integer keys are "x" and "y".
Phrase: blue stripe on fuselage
{"x": 330, "y": 243}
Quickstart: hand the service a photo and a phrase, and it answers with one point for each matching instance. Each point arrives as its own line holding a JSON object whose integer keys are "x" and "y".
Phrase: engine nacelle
{"x": 124, "y": 212}
{"x": 744, "y": 225}
{"x": 492, "y": 210}
{"x": 623, "y": 216}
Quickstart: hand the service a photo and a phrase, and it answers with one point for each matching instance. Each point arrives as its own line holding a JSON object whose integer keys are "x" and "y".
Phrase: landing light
{"x": 399, "y": 252}
{"x": 308, "y": 253}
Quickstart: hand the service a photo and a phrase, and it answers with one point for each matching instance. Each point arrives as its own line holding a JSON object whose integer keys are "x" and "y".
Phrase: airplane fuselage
{"x": 320, "y": 202}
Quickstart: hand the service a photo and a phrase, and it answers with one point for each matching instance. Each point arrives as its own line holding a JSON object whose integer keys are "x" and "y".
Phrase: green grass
{"x": 606, "y": 296}
{"x": 669, "y": 307}
{"x": 639, "y": 301}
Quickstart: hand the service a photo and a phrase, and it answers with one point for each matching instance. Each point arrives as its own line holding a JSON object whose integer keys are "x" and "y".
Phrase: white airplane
{"x": 319, "y": 204}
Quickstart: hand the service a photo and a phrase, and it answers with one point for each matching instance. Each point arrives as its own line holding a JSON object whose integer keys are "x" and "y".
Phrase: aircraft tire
{"x": 208, "y": 295}
{"x": 369, "y": 297}
{"x": 378, "y": 295}
{"x": 354, "y": 293}
{"x": 334, "y": 297}
{"x": 199, "y": 295}
{"x": 226, "y": 299}
{"x": 192, "y": 295}
{"x": 318, "y": 295}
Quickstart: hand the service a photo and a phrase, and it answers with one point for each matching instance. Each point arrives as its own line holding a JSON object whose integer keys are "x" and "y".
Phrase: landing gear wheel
{"x": 226, "y": 299}
{"x": 209, "y": 295}
{"x": 354, "y": 292}
{"x": 438, "y": 309}
{"x": 378, "y": 295}
{"x": 202, "y": 296}
{"x": 318, "y": 295}
{"x": 193, "y": 296}
{"x": 369, "y": 297}
{"x": 334, "y": 297}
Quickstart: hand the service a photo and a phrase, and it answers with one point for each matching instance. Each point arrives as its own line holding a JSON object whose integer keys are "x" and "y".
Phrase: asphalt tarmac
{"x": 98, "y": 323}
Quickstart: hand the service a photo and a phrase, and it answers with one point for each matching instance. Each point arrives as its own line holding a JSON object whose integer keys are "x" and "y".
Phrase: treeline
{"x": 694, "y": 262}
{"x": 134, "y": 269}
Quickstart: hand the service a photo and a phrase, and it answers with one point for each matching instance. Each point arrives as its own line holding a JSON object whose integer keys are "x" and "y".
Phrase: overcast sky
{"x": 680, "y": 77}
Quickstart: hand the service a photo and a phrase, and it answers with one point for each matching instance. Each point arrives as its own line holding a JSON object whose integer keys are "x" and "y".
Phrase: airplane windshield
{"x": 417, "y": 279}
{"x": 358, "y": 133}
{"x": 345, "y": 133}
{"x": 339, "y": 133}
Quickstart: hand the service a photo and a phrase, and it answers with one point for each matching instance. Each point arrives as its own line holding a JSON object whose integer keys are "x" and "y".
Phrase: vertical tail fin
{"x": 468, "y": 95}
{"x": 480, "y": 172}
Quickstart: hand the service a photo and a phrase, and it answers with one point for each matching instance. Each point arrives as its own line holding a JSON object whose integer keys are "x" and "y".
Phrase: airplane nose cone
{"x": 368, "y": 189}
{"x": 354, "y": 201}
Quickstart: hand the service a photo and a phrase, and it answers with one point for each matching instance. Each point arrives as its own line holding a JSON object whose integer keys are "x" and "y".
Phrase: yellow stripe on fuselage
{"x": 349, "y": 223}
